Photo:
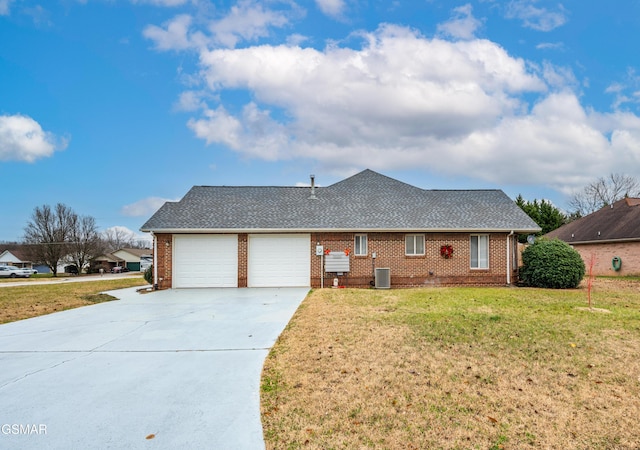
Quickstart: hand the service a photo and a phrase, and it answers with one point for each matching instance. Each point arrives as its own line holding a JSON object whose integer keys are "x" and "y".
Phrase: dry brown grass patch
{"x": 456, "y": 368}
{"x": 23, "y": 302}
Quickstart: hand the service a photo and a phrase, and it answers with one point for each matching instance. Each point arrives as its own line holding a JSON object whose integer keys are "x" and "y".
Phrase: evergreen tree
{"x": 542, "y": 212}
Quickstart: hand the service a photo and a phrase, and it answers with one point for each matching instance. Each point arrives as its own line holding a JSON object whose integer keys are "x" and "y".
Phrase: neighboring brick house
{"x": 219, "y": 236}
{"x": 133, "y": 259}
{"x": 611, "y": 235}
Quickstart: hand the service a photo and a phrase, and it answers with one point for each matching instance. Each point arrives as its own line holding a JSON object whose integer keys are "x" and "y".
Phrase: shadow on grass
{"x": 98, "y": 298}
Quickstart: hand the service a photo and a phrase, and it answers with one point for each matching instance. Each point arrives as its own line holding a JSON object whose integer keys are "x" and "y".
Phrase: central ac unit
{"x": 383, "y": 278}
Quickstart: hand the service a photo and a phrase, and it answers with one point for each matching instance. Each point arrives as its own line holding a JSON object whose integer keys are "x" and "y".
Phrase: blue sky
{"x": 115, "y": 106}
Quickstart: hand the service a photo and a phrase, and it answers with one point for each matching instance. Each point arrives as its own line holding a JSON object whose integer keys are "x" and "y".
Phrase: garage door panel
{"x": 205, "y": 261}
{"x": 279, "y": 260}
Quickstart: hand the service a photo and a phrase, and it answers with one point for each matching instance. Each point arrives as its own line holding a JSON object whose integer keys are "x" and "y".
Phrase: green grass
{"x": 41, "y": 277}
{"x": 36, "y": 299}
{"x": 37, "y": 277}
{"x": 528, "y": 321}
{"x": 498, "y": 368}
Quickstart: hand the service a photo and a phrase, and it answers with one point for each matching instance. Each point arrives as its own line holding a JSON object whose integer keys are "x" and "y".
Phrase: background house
{"x": 106, "y": 262}
{"x": 611, "y": 232}
{"x": 18, "y": 255}
{"x": 14, "y": 256}
{"x": 134, "y": 259}
{"x": 219, "y": 236}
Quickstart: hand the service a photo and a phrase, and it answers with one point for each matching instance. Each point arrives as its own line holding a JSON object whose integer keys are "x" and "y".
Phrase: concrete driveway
{"x": 164, "y": 370}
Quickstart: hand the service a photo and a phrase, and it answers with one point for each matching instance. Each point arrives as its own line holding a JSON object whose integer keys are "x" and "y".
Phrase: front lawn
{"x": 22, "y": 302}
{"x": 457, "y": 368}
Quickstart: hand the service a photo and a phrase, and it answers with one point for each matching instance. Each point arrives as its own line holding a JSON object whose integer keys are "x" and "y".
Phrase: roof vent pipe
{"x": 313, "y": 187}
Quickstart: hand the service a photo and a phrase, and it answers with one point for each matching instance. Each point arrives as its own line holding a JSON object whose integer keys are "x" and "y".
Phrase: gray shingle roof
{"x": 365, "y": 201}
{"x": 620, "y": 221}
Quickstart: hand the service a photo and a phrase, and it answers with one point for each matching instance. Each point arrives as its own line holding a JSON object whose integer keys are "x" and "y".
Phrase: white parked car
{"x": 14, "y": 272}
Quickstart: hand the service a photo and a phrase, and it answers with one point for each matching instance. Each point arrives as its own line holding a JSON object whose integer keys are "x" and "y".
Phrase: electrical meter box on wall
{"x": 336, "y": 262}
{"x": 319, "y": 250}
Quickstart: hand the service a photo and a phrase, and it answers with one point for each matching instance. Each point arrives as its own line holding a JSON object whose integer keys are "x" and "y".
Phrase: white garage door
{"x": 278, "y": 260}
{"x": 205, "y": 261}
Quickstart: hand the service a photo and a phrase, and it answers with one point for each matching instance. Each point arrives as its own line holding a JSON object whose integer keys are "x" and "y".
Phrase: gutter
{"x": 603, "y": 241}
{"x": 509, "y": 238}
{"x": 335, "y": 230}
{"x": 155, "y": 262}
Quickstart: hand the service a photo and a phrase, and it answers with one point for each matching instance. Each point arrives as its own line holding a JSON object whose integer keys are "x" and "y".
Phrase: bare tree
{"x": 84, "y": 241}
{"x": 47, "y": 233}
{"x": 117, "y": 238}
{"x": 603, "y": 192}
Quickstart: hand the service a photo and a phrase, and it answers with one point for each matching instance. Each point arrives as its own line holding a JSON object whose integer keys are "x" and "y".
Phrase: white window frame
{"x": 415, "y": 241}
{"x": 482, "y": 260}
{"x": 360, "y": 245}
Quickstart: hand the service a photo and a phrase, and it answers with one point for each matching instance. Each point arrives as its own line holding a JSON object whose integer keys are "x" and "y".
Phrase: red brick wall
{"x": 629, "y": 253}
{"x": 428, "y": 269}
{"x": 164, "y": 260}
{"x": 406, "y": 271}
{"x": 243, "y": 240}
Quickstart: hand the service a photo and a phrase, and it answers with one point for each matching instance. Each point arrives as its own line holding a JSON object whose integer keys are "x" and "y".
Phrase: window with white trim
{"x": 414, "y": 244}
{"x": 360, "y": 245}
{"x": 480, "y": 251}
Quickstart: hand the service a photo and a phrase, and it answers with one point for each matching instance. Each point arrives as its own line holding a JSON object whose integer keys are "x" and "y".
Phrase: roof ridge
{"x": 371, "y": 174}
{"x": 365, "y": 200}
{"x": 463, "y": 190}
{"x": 246, "y": 186}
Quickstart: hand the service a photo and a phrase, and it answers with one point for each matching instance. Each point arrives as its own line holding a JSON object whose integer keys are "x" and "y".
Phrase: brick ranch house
{"x": 219, "y": 236}
{"x": 611, "y": 232}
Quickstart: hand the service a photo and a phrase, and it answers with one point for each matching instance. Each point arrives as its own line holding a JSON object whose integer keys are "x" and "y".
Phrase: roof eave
{"x": 603, "y": 241}
{"x": 335, "y": 230}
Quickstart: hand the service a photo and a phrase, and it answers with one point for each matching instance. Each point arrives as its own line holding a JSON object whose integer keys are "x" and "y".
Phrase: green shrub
{"x": 148, "y": 275}
{"x": 551, "y": 264}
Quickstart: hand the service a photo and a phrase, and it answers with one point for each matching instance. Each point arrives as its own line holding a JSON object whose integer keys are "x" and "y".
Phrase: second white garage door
{"x": 205, "y": 261}
{"x": 279, "y": 260}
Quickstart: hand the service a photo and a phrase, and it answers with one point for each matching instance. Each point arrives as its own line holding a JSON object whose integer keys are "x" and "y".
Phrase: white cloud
{"x": 144, "y": 207}
{"x": 331, "y": 8}
{"x": 614, "y": 88}
{"x": 462, "y": 25}
{"x": 406, "y": 101}
{"x": 23, "y": 139}
{"x": 398, "y": 81}
{"x": 550, "y": 46}
{"x": 248, "y": 20}
{"x": 554, "y": 144}
{"x": 174, "y": 36}
{"x": 540, "y": 19}
{"x": 5, "y": 7}
{"x": 254, "y": 133}
{"x": 218, "y": 126}
{"x": 190, "y": 101}
{"x": 625, "y": 92}
{"x": 295, "y": 40}
{"x": 558, "y": 77}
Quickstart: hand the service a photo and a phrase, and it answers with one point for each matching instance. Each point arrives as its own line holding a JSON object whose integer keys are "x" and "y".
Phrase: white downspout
{"x": 155, "y": 260}
{"x": 509, "y": 258}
